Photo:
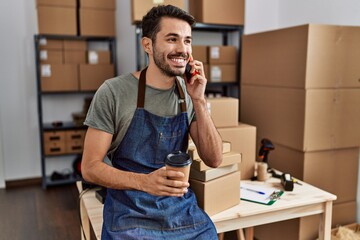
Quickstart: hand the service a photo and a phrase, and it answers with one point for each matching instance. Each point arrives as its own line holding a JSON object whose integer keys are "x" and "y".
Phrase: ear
{"x": 147, "y": 45}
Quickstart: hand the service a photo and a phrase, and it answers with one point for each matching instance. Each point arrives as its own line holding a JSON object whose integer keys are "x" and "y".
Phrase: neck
{"x": 156, "y": 79}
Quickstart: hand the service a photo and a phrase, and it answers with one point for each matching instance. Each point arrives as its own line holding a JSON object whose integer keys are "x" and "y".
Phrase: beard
{"x": 165, "y": 68}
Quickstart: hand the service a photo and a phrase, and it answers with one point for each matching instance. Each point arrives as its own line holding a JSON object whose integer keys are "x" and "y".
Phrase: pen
{"x": 252, "y": 190}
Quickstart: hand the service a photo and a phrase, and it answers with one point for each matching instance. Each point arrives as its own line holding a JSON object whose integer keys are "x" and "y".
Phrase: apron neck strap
{"x": 141, "y": 92}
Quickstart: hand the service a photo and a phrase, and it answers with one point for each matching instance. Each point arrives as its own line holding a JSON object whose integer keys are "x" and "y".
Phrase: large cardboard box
{"x": 222, "y": 55}
{"x": 59, "y": 77}
{"x": 228, "y": 12}
{"x": 334, "y": 171}
{"x": 78, "y": 45}
{"x": 51, "y": 56}
{"x": 97, "y": 22}
{"x": 139, "y": 8}
{"x": 50, "y": 44}
{"x": 307, "y": 227}
{"x": 200, "y": 53}
{"x": 57, "y": 20}
{"x": 98, "y": 57}
{"x": 219, "y": 194}
{"x": 223, "y": 73}
{"x": 243, "y": 140}
{"x": 224, "y": 111}
{"x": 306, "y": 120}
{"x": 303, "y": 57}
{"x": 92, "y": 76}
{"x": 57, "y": 3}
{"x": 74, "y": 57}
{"x": 98, "y": 4}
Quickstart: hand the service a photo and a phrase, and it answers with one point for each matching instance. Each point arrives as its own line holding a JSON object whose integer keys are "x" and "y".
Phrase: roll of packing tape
{"x": 262, "y": 174}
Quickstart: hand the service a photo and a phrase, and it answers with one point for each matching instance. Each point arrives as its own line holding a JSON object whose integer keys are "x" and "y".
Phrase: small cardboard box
{"x": 98, "y": 57}
{"x": 97, "y": 22}
{"x": 139, "y": 8}
{"x": 50, "y": 44}
{"x": 74, "y": 146}
{"x": 98, "y": 4}
{"x": 54, "y": 142}
{"x": 223, "y": 73}
{"x": 228, "y": 159}
{"x": 222, "y": 55}
{"x": 51, "y": 56}
{"x": 92, "y": 76}
{"x": 192, "y": 151}
{"x": 211, "y": 174}
{"x": 228, "y": 12}
{"x": 74, "y": 57}
{"x": 334, "y": 171}
{"x": 219, "y": 194}
{"x": 200, "y": 53}
{"x": 57, "y": 20}
{"x": 243, "y": 140}
{"x": 59, "y": 77}
{"x": 56, "y": 3}
{"x": 224, "y": 111}
{"x": 78, "y": 45}
{"x": 75, "y": 135}
{"x": 53, "y": 136}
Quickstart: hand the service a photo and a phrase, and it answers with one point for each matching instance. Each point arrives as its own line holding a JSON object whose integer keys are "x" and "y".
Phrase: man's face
{"x": 172, "y": 46}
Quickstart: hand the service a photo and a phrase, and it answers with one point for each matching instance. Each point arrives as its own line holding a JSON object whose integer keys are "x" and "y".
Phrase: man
{"x": 137, "y": 120}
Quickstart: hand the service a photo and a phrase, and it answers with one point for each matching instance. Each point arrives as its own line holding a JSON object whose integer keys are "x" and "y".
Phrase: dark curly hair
{"x": 151, "y": 21}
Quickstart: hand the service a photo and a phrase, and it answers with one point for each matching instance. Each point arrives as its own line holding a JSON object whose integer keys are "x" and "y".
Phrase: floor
{"x": 33, "y": 213}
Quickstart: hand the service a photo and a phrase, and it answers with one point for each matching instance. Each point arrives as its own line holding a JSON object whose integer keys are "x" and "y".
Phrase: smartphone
{"x": 187, "y": 71}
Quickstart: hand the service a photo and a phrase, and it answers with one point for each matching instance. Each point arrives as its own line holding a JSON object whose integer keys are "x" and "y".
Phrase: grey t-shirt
{"x": 115, "y": 102}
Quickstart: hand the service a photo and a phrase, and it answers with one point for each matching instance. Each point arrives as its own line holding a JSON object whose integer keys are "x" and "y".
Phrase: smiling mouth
{"x": 179, "y": 60}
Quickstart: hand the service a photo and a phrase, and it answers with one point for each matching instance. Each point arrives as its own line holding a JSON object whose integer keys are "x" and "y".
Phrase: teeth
{"x": 178, "y": 60}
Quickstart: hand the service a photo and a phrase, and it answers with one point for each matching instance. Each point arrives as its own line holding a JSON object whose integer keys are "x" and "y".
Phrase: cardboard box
{"x": 92, "y": 76}
{"x": 224, "y": 111}
{"x": 78, "y": 45}
{"x": 51, "y": 56}
{"x": 139, "y": 8}
{"x": 334, "y": 171}
{"x": 75, "y": 135}
{"x": 200, "y": 53}
{"x": 305, "y": 227}
{"x": 98, "y": 57}
{"x": 213, "y": 173}
{"x": 223, "y": 73}
{"x": 98, "y": 4}
{"x": 210, "y": 195}
{"x": 54, "y": 142}
{"x": 243, "y": 140}
{"x": 50, "y": 44}
{"x": 95, "y": 22}
{"x": 57, "y": 20}
{"x": 305, "y": 57}
{"x": 74, "y": 146}
{"x": 229, "y": 158}
{"x": 306, "y": 120}
{"x": 192, "y": 151}
{"x": 353, "y": 228}
{"x": 228, "y": 12}
{"x": 53, "y": 136}
{"x": 56, "y": 3}
{"x": 59, "y": 77}
{"x": 222, "y": 55}
{"x": 74, "y": 57}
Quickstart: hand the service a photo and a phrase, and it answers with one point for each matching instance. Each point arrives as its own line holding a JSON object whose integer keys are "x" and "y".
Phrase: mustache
{"x": 182, "y": 55}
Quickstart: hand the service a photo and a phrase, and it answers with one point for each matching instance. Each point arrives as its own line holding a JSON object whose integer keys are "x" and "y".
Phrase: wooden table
{"x": 304, "y": 200}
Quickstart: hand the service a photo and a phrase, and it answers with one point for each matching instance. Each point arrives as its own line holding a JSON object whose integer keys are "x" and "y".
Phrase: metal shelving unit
{"x": 44, "y": 126}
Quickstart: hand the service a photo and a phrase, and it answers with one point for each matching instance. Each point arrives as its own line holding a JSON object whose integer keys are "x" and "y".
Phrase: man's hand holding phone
{"x": 188, "y": 72}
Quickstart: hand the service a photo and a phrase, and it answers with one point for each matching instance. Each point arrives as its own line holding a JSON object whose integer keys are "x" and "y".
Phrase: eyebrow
{"x": 176, "y": 35}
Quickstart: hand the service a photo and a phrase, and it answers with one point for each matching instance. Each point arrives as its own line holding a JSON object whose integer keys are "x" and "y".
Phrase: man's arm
{"x": 95, "y": 170}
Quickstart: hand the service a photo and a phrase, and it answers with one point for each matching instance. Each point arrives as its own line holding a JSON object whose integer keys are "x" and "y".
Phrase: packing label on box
{"x": 42, "y": 42}
{"x": 46, "y": 70}
{"x": 43, "y": 55}
{"x": 215, "y": 53}
{"x": 93, "y": 57}
{"x": 215, "y": 74}
{"x": 158, "y": 1}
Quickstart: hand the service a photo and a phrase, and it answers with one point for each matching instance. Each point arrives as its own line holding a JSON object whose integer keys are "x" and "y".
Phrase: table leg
{"x": 240, "y": 234}
{"x": 249, "y": 233}
{"x": 325, "y": 222}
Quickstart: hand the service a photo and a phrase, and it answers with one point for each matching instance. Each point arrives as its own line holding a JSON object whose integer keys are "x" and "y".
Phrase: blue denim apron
{"x": 131, "y": 214}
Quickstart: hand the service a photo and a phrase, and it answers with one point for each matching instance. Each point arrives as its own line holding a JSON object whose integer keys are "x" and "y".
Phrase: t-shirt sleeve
{"x": 101, "y": 110}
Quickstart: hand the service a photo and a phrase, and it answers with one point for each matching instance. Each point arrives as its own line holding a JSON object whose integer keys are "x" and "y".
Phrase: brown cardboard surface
{"x": 79, "y": 45}
{"x": 307, "y": 56}
{"x": 222, "y": 73}
{"x": 98, "y": 4}
{"x": 213, "y": 173}
{"x": 306, "y": 227}
{"x": 335, "y": 171}
{"x": 63, "y": 77}
{"x": 94, "y": 22}
{"x": 307, "y": 120}
{"x": 222, "y": 55}
{"x": 192, "y": 151}
{"x": 50, "y": 44}
{"x": 210, "y": 195}
{"x": 230, "y": 12}
{"x": 228, "y": 159}
{"x": 243, "y": 140}
{"x": 57, "y": 20}
{"x": 224, "y": 111}
{"x": 140, "y": 7}
{"x": 76, "y": 57}
{"x": 200, "y": 53}
{"x": 98, "y": 57}
{"x": 51, "y": 56}
{"x": 59, "y": 3}
{"x": 92, "y": 76}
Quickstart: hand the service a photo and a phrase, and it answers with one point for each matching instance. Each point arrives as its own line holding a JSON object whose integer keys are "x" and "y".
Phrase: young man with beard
{"x": 137, "y": 120}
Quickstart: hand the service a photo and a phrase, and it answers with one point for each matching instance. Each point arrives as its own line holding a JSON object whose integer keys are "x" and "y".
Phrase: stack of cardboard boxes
{"x": 301, "y": 89}
{"x": 63, "y": 142}
{"x": 60, "y": 17}
{"x": 238, "y": 157}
